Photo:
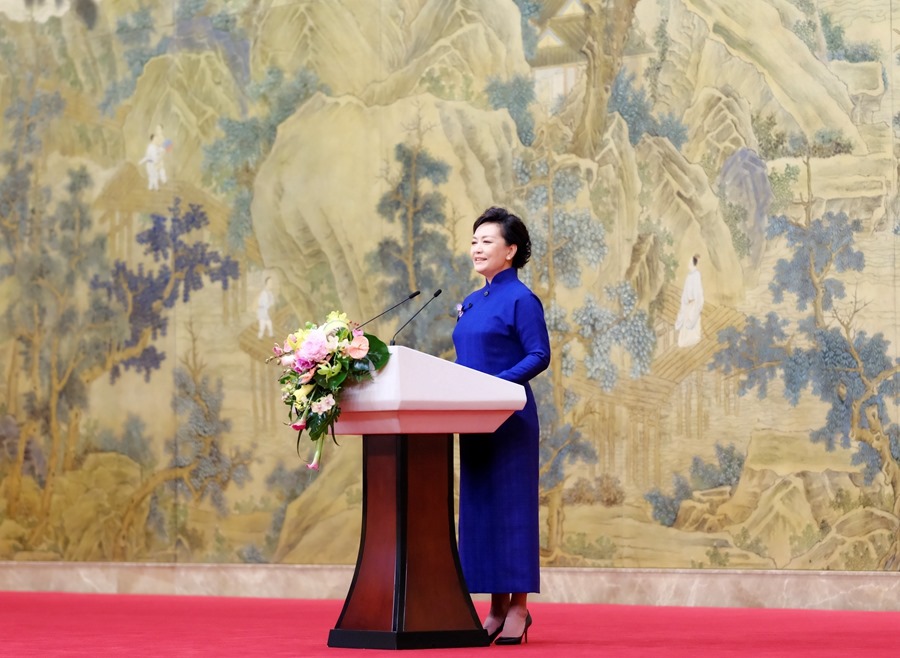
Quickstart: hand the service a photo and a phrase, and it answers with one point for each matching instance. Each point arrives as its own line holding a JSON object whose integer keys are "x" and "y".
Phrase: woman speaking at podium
{"x": 501, "y": 331}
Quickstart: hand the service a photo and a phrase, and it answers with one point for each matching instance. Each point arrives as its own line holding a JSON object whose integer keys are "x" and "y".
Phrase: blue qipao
{"x": 502, "y": 332}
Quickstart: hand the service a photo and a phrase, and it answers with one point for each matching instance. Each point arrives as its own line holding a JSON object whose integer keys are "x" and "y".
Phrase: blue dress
{"x": 502, "y": 332}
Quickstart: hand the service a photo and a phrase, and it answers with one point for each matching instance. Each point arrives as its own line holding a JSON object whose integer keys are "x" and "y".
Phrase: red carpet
{"x": 53, "y": 624}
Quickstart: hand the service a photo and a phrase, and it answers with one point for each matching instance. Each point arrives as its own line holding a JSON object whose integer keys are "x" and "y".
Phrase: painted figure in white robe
{"x": 688, "y": 321}
{"x": 153, "y": 159}
{"x": 265, "y": 300}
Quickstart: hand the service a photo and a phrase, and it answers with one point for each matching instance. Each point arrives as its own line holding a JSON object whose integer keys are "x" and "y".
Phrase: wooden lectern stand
{"x": 408, "y": 590}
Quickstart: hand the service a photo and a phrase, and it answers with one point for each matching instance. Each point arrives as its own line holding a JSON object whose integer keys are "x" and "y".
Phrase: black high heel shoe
{"x": 493, "y": 636}
{"x": 517, "y": 639}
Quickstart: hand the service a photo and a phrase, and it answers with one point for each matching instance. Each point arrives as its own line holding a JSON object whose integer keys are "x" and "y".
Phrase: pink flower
{"x": 358, "y": 348}
{"x": 314, "y": 348}
{"x": 323, "y": 405}
{"x": 300, "y": 423}
{"x": 306, "y": 377}
{"x": 278, "y": 350}
{"x": 287, "y": 359}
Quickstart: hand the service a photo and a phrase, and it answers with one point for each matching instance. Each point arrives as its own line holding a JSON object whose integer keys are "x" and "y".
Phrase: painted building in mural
{"x": 712, "y": 191}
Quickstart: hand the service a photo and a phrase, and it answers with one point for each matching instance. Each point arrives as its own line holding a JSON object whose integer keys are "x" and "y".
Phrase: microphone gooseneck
{"x": 402, "y": 301}
{"x": 412, "y": 317}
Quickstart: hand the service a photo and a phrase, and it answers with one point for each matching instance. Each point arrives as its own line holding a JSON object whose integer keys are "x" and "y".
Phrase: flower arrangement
{"x": 318, "y": 361}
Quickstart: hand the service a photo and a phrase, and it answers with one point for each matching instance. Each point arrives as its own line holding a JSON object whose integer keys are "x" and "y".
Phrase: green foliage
{"x": 801, "y": 543}
{"x": 251, "y": 554}
{"x": 231, "y": 162}
{"x": 133, "y": 442}
{"x": 136, "y": 33}
{"x": 807, "y": 30}
{"x": 635, "y": 108}
{"x": 772, "y": 142}
{"x": 717, "y": 558}
{"x": 735, "y": 217}
{"x": 529, "y": 10}
{"x": 449, "y": 83}
{"x": 419, "y": 256}
{"x": 665, "y": 508}
{"x": 843, "y": 501}
{"x": 782, "y": 188}
{"x": 603, "y": 548}
{"x": 666, "y": 242}
{"x": 860, "y": 557}
{"x": 515, "y": 96}
{"x": 662, "y": 42}
{"x": 742, "y": 540}
{"x": 185, "y": 10}
{"x": 806, "y": 6}
{"x": 826, "y": 143}
{"x": 726, "y": 473}
{"x": 702, "y": 476}
{"x": 838, "y": 48}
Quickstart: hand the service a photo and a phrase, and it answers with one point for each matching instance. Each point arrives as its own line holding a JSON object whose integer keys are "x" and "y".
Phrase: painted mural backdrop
{"x": 711, "y": 188}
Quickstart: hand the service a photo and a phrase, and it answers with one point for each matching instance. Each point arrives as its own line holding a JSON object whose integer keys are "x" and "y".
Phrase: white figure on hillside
{"x": 688, "y": 321}
{"x": 264, "y": 302}
{"x": 153, "y": 159}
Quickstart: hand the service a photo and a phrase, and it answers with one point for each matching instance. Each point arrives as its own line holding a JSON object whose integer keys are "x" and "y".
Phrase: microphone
{"x": 422, "y": 308}
{"x": 403, "y": 301}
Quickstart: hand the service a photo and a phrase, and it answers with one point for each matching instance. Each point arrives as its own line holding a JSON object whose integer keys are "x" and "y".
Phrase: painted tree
{"x": 71, "y": 314}
{"x": 515, "y": 96}
{"x": 199, "y": 468}
{"x": 230, "y": 163}
{"x": 828, "y": 352}
{"x": 606, "y": 26}
{"x": 138, "y": 37}
{"x": 420, "y": 255}
{"x": 594, "y": 339}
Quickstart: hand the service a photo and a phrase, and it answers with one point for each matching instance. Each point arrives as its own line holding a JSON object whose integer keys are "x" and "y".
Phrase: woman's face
{"x": 490, "y": 253}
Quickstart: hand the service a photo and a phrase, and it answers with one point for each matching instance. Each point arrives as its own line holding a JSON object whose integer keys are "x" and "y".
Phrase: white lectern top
{"x": 416, "y": 393}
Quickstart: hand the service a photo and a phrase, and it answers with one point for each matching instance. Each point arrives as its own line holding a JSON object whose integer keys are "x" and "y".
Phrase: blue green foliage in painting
{"x": 529, "y": 10}
{"x": 841, "y": 49}
{"x": 145, "y": 294}
{"x": 231, "y": 162}
{"x": 515, "y": 96}
{"x": 703, "y": 475}
{"x": 827, "y": 352}
{"x": 419, "y": 256}
{"x": 136, "y": 34}
{"x": 566, "y": 239}
{"x": 633, "y": 105}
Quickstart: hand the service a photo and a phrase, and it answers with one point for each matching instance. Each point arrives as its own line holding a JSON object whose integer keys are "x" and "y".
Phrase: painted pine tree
{"x": 420, "y": 255}
{"x": 828, "y": 352}
{"x": 589, "y": 340}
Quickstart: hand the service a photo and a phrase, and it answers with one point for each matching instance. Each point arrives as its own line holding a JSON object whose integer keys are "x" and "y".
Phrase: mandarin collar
{"x": 509, "y": 274}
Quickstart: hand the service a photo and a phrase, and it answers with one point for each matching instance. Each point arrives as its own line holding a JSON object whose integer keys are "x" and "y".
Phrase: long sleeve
{"x": 531, "y": 329}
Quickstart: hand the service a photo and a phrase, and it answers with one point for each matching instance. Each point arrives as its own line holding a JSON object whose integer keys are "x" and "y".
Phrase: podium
{"x": 408, "y": 590}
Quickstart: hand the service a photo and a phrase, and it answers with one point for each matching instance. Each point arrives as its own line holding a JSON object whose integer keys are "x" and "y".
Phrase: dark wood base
{"x": 408, "y": 590}
{"x": 409, "y": 640}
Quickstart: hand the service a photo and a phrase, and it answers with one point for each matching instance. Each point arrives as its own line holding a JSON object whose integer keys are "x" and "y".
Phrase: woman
{"x": 501, "y": 331}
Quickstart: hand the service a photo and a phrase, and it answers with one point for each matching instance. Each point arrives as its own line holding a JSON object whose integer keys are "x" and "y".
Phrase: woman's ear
{"x": 513, "y": 248}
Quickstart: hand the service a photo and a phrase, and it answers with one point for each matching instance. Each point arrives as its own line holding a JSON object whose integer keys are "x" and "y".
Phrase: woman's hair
{"x": 513, "y": 230}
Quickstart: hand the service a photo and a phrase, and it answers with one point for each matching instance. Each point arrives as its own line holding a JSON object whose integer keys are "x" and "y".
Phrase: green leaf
{"x": 378, "y": 352}
{"x": 317, "y": 425}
